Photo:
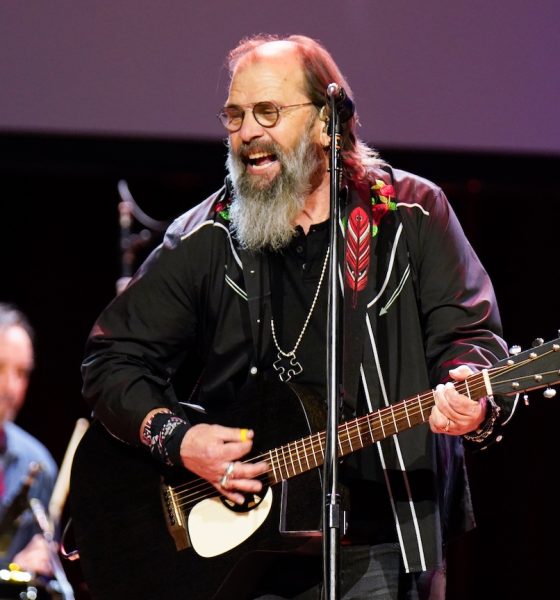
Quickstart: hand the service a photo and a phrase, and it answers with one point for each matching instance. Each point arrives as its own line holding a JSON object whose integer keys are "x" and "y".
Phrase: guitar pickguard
{"x": 214, "y": 528}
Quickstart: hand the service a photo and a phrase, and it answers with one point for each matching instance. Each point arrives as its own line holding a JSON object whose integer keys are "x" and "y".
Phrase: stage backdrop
{"x": 467, "y": 74}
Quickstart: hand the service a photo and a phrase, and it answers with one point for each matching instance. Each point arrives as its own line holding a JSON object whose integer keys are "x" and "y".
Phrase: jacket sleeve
{"x": 138, "y": 342}
{"x": 456, "y": 299}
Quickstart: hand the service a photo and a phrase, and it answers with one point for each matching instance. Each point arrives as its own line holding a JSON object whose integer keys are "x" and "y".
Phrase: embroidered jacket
{"x": 197, "y": 316}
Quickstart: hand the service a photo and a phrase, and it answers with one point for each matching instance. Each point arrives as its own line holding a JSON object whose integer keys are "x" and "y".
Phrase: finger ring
{"x": 446, "y": 428}
{"x": 243, "y": 435}
{"x": 227, "y": 474}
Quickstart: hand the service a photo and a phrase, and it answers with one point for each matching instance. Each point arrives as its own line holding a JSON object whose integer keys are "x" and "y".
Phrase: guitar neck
{"x": 309, "y": 453}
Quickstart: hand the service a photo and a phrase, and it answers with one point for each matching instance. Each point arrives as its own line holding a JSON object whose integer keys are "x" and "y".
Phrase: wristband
{"x": 163, "y": 434}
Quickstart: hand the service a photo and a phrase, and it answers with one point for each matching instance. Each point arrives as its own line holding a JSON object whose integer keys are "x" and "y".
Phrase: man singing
{"x": 237, "y": 295}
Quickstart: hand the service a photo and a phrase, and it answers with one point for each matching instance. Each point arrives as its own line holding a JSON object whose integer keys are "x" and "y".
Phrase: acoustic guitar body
{"x": 126, "y": 550}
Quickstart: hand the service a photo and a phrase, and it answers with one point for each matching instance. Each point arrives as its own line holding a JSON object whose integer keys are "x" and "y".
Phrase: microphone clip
{"x": 342, "y": 103}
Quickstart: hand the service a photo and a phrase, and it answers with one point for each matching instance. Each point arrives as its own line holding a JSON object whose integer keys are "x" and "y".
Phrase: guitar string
{"x": 356, "y": 427}
{"x": 312, "y": 445}
{"x": 385, "y": 417}
{"x": 316, "y": 450}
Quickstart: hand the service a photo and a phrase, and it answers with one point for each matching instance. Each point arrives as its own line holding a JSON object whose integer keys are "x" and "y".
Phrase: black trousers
{"x": 366, "y": 572}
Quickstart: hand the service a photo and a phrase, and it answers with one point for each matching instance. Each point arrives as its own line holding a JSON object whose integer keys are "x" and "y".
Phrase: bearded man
{"x": 235, "y": 300}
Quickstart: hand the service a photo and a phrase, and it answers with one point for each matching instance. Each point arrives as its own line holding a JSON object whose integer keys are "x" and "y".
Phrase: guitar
{"x": 147, "y": 531}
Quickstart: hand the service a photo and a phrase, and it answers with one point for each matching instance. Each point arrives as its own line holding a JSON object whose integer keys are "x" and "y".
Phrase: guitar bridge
{"x": 174, "y": 518}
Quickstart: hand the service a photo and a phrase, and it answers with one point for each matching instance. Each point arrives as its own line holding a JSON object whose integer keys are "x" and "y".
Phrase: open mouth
{"x": 260, "y": 160}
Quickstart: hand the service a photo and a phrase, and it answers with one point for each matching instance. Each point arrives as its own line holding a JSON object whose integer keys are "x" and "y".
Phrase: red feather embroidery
{"x": 357, "y": 252}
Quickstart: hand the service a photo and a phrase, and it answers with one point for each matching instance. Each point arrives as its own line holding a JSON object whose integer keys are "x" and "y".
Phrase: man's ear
{"x": 325, "y": 138}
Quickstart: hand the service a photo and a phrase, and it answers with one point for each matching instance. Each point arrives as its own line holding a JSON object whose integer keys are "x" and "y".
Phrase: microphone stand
{"x": 333, "y": 517}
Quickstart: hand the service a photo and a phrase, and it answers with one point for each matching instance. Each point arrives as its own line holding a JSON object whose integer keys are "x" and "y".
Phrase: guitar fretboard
{"x": 308, "y": 453}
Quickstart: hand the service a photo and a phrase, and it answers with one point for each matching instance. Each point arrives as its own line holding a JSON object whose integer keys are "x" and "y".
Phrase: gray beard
{"x": 263, "y": 215}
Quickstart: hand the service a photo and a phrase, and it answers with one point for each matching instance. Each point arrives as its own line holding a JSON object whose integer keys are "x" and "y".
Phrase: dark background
{"x": 61, "y": 260}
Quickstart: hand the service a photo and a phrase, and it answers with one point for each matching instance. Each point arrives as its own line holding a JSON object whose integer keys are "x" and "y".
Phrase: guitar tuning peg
{"x": 537, "y": 342}
{"x": 515, "y": 350}
{"x": 549, "y": 393}
{"x": 526, "y": 399}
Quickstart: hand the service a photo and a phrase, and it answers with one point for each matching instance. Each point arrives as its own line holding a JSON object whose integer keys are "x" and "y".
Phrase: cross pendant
{"x": 287, "y": 368}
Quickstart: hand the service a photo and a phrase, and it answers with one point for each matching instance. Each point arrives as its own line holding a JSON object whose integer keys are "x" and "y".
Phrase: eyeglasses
{"x": 265, "y": 113}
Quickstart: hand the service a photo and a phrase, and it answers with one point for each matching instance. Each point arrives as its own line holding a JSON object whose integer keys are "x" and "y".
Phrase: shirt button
{"x": 299, "y": 249}
{"x": 254, "y": 370}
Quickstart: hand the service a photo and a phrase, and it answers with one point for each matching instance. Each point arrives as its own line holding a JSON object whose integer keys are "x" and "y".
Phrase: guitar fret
{"x": 321, "y": 448}
{"x": 291, "y": 455}
{"x": 467, "y": 391}
{"x": 313, "y": 449}
{"x": 406, "y": 413}
{"x": 393, "y": 415}
{"x": 282, "y": 463}
{"x": 420, "y": 405}
{"x": 299, "y": 456}
{"x": 348, "y": 438}
{"x": 285, "y": 462}
{"x": 306, "y": 454}
{"x": 295, "y": 459}
{"x": 272, "y": 464}
{"x": 368, "y": 421}
{"x": 381, "y": 422}
{"x": 358, "y": 429}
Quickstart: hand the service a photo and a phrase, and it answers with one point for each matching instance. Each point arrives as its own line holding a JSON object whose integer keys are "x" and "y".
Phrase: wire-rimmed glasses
{"x": 265, "y": 113}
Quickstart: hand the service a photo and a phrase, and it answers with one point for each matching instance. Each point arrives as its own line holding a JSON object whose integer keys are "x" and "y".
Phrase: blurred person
{"x": 19, "y": 450}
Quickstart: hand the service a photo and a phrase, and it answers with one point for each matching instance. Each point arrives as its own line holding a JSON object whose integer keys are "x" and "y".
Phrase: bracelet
{"x": 488, "y": 425}
{"x": 163, "y": 434}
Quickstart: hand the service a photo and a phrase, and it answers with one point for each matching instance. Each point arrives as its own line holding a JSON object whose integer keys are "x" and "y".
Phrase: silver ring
{"x": 227, "y": 474}
{"x": 447, "y": 425}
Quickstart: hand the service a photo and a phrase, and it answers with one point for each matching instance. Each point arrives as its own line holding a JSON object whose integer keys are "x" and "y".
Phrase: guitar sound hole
{"x": 251, "y": 501}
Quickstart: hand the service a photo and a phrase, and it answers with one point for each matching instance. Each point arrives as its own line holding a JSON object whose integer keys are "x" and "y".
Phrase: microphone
{"x": 342, "y": 103}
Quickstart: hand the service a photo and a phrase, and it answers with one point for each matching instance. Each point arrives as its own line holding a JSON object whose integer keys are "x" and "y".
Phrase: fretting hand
{"x": 455, "y": 413}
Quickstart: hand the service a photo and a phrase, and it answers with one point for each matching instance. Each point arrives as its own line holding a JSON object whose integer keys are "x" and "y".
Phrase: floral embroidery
{"x": 382, "y": 201}
{"x": 222, "y": 208}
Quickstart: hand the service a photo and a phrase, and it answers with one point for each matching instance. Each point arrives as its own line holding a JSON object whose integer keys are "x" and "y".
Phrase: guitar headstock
{"x": 532, "y": 369}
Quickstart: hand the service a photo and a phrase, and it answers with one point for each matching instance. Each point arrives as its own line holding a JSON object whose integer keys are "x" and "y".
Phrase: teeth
{"x": 258, "y": 155}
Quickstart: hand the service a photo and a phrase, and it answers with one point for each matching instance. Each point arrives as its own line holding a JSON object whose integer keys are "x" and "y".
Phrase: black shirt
{"x": 295, "y": 276}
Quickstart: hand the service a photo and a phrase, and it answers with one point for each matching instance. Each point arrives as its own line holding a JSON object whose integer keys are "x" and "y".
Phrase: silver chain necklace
{"x": 287, "y": 364}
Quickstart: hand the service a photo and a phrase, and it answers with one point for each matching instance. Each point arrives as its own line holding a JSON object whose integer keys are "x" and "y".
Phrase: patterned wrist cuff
{"x": 163, "y": 434}
{"x": 147, "y": 431}
{"x": 487, "y": 426}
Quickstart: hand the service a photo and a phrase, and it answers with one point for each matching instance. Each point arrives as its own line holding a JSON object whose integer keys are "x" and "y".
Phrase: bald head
{"x": 268, "y": 50}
